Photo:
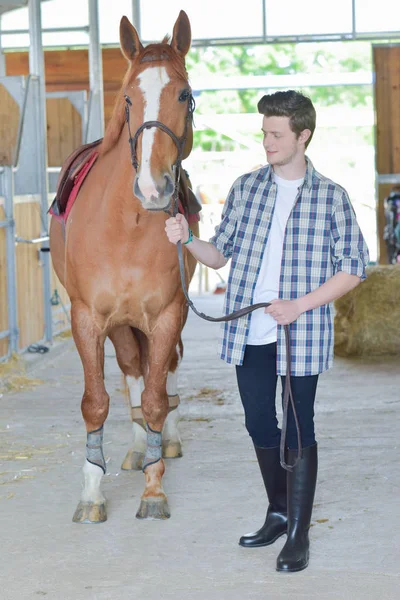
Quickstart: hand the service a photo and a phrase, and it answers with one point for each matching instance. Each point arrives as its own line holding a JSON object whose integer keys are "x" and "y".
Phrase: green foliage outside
{"x": 280, "y": 59}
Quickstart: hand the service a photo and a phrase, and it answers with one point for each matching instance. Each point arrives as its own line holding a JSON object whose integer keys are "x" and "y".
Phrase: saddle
{"x": 69, "y": 171}
{"x": 77, "y": 166}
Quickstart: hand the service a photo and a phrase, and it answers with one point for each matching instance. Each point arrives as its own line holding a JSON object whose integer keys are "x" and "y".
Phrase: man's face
{"x": 280, "y": 143}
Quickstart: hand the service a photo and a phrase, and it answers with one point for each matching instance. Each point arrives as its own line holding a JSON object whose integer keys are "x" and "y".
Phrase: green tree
{"x": 279, "y": 59}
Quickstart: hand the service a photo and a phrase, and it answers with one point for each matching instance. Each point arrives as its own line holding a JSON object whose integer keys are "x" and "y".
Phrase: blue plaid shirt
{"x": 322, "y": 237}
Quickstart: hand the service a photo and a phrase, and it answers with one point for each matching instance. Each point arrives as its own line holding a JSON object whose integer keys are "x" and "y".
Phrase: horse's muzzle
{"x": 155, "y": 196}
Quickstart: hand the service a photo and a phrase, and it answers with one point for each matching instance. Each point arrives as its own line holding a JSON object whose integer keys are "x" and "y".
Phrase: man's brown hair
{"x": 292, "y": 104}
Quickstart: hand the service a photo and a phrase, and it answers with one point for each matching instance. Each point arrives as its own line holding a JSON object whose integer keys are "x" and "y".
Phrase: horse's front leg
{"x": 154, "y": 503}
{"x": 171, "y": 443}
{"x": 95, "y": 403}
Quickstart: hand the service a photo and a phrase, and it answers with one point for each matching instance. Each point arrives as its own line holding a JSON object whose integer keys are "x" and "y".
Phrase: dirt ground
{"x": 215, "y": 491}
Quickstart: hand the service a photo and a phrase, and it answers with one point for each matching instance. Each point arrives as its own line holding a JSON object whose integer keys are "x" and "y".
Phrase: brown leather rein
{"x": 173, "y": 211}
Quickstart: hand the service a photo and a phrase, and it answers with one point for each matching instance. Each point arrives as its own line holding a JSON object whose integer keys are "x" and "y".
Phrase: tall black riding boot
{"x": 300, "y": 493}
{"x": 275, "y": 484}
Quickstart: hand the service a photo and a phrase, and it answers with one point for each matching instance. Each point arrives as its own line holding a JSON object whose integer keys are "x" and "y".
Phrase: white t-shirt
{"x": 263, "y": 327}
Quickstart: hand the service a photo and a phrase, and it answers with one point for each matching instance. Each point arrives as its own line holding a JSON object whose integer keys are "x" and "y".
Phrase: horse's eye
{"x": 184, "y": 96}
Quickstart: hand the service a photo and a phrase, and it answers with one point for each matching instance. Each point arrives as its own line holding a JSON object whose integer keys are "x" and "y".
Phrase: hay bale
{"x": 367, "y": 319}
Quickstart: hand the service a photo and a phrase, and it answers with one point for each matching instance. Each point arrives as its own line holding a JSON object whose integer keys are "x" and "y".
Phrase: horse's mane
{"x": 156, "y": 54}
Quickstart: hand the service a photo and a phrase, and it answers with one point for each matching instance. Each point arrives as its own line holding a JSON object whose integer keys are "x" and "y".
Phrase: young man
{"x": 294, "y": 241}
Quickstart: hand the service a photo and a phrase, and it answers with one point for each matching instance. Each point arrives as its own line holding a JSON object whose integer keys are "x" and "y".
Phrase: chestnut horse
{"x": 121, "y": 272}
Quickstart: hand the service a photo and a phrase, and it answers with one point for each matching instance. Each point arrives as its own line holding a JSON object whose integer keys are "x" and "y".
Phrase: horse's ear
{"x": 129, "y": 39}
{"x": 182, "y": 35}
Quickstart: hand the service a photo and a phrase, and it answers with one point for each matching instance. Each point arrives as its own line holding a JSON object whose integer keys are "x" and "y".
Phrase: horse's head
{"x": 157, "y": 89}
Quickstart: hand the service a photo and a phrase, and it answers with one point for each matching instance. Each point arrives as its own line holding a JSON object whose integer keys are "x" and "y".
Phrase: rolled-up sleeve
{"x": 225, "y": 233}
{"x": 349, "y": 250}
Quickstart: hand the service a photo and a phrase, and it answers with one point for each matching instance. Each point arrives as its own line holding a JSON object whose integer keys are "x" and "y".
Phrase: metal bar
{"x": 3, "y": 223}
{"x": 4, "y": 334}
{"x": 89, "y": 117}
{"x": 95, "y": 128}
{"x": 379, "y": 230}
{"x": 212, "y": 82}
{"x": 2, "y": 58}
{"x": 61, "y": 309}
{"x": 136, "y": 17}
{"x": 264, "y": 17}
{"x": 284, "y": 39}
{"x": 389, "y": 178}
{"x": 353, "y": 19}
{"x": 36, "y": 67}
{"x": 22, "y": 120}
{"x": 84, "y": 28}
{"x": 39, "y": 240}
{"x": 11, "y": 267}
{"x": 291, "y": 39}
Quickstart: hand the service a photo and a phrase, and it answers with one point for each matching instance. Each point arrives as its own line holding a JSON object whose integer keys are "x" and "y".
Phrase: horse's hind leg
{"x": 131, "y": 352}
{"x": 95, "y": 403}
{"x": 129, "y": 360}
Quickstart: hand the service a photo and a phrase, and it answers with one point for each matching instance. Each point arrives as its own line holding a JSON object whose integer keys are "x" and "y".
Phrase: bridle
{"x": 172, "y": 210}
{"x": 178, "y": 141}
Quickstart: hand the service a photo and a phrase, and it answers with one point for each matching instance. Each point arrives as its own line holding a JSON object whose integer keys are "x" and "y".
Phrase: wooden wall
{"x": 9, "y": 119}
{"x": 64, "y": 130}
{"x": 69, "y": 70}
{"x": 29, "y": 274}
{"x": 386, "y": 60}
{"x": 29, "y": 279}
{"x": 64, "y": 70}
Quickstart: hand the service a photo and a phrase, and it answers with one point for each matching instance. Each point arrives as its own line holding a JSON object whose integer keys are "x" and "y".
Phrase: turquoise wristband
{"x": 190, "y": 238}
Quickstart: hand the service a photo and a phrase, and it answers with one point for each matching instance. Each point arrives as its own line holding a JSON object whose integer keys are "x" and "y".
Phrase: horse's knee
{"x": 95, "y": 410}
{"x": 155, "y": 408}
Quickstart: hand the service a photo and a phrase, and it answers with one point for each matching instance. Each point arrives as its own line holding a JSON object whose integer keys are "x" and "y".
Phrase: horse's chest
{"x": 144, "y": 293}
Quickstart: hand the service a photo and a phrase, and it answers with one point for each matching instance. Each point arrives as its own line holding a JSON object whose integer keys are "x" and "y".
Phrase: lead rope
{"x": 172, "y": 210}
{"x": 288, "y": 394}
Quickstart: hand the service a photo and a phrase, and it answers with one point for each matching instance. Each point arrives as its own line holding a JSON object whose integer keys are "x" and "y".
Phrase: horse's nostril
{"x": 169, "y": 186}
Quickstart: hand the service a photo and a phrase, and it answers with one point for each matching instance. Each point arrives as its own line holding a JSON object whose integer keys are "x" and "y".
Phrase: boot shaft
{"x": 301, "y": 483}
{"x": 274, "y": 477}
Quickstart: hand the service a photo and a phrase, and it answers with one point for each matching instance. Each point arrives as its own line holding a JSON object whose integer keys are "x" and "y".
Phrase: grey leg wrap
{"x": 154, "y": 447}
{"x": 94, "y": 448}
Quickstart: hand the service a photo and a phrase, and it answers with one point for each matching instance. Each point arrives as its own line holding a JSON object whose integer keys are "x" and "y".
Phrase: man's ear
{"x": 304, "y": 136}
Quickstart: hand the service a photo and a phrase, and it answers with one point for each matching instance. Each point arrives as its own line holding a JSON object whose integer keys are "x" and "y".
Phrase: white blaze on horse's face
{"x": 152, "y": 195}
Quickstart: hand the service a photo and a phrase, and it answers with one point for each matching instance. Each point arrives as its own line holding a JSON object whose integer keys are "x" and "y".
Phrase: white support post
{"x": 136, "y": 19}
{"x": 13, "y": 335}
{"x": 95, "y": 129}
{"x": 36, "y": 67}
{"x": 2, "y": 59}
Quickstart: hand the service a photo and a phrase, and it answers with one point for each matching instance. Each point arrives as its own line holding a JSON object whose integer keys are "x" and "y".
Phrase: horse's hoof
{"x": 172, "y": 449}
{"x": 133, "y": 461}
{"x": 153, "y": 508}
{"x": 90, "y": 513}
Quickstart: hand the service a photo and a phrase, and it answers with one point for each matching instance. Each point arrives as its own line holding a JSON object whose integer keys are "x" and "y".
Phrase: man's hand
{"x": 284, "y": 311}
{"x": 177, "y": 229}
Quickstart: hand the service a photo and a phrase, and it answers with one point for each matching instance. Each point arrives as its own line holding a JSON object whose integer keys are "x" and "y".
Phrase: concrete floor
{"x": 215, "y": 491}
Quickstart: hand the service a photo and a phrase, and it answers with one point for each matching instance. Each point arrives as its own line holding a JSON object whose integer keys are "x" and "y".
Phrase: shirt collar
{"x": 308, "y": 177}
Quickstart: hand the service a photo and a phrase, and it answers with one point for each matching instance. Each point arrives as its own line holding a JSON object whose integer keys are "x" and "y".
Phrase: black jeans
{"x": 257, "y": 380}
